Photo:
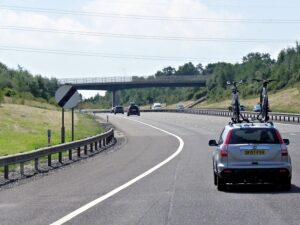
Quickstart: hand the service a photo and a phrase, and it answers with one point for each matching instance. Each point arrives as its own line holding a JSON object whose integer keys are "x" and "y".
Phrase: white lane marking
{"x": 126, "y": 185}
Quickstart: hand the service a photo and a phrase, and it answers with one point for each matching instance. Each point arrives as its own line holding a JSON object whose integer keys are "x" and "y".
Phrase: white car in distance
{"x": 156, "y": 106}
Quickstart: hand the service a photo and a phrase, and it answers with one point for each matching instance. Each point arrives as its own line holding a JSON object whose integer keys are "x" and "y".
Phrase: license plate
{"x": 254, "y": 152}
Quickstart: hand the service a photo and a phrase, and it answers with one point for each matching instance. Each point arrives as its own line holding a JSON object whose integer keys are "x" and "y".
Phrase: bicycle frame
{"x": 264, "y": 101}
{"x": 264, "y": 104}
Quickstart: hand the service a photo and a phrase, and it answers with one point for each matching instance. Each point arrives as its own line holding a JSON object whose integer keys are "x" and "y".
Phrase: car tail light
{"x": 227, "y": 171}
{"x": 224, "y": 148}
{"x": 284, "y": 150}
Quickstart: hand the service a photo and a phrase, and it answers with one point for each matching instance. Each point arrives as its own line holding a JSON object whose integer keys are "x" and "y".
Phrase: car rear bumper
{"x": 255, "y": 175}
{"x": 133, "y": 113}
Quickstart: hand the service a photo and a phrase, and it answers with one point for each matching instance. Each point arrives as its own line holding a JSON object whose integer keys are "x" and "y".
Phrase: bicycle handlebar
{"x": 264, "y": 81}
{"x": 234, "y": 83}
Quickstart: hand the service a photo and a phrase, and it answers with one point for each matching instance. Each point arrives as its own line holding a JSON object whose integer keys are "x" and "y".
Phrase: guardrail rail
{"x": 94, "y": 143}
{"x": 285, "y": 117}
{"x": 275, "y": 116}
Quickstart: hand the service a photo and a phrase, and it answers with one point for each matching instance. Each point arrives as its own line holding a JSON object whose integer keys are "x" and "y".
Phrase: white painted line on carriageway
{"x": 126, "y": 185}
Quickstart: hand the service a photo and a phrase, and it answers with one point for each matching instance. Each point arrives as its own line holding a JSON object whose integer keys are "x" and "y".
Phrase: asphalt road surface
{"x": 178, "y": 191}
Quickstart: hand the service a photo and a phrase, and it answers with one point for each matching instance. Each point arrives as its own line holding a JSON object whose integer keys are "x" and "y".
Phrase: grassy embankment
{"x": 24, "y": 128}
{"x": 287, "y": 100}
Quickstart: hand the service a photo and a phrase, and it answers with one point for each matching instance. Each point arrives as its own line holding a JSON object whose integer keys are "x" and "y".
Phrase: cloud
{"x": 13, "y": 37}
{"x": 273, "y": 50}
{"x": 160, "y": 26}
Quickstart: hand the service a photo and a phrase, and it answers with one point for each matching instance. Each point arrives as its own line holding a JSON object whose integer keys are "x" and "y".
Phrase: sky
{"x": 108, "y": 38}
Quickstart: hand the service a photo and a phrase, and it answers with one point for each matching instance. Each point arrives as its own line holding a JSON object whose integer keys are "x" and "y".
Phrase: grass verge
{"x": 24, "y": 128}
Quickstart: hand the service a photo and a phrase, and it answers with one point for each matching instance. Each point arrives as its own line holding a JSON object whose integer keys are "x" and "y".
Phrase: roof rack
{"x": 252, "y": 124}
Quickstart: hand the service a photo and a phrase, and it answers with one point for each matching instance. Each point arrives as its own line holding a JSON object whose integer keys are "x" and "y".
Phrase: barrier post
{"x": 78, "y": 151}
{"x": 6, "y": 172}
{"x": 60, "y": 157}
{"x": 49, "y": 160}
{"x": 70, "y": 154}
{"x": 36, "y": 164}
{"x": 22, "y": 169}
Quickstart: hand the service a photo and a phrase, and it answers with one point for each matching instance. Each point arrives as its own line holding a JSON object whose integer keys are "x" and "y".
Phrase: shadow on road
{"x": 260, "y": 189}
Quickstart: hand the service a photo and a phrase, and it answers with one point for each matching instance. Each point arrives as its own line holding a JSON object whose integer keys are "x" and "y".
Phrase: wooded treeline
{"x": 20, "y": 83}
{"x": 285, "y": 70}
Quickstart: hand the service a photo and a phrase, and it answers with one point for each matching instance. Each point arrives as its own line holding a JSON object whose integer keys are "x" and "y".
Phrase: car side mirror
{"x": 286, "y": 141}
{"x": 212, "y": 143}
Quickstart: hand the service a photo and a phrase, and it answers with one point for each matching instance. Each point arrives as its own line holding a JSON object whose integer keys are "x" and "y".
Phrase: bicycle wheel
{"x": 236, "y": 111}
{"x": 264, "y": 110}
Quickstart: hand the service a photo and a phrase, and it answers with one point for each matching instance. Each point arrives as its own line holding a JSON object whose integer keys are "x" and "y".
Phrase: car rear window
{"x": 254, "y": 135}
{"x": 133, "y": 107}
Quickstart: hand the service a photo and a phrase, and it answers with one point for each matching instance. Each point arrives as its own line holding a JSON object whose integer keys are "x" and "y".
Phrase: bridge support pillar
{"x": 114, "y": 98}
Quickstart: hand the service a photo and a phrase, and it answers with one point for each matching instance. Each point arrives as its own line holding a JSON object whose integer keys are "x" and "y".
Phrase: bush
{"x": 52, "y": 101}
{"x": 8, "y": 92}
{"x": 199, "y": 94}
{"x": 26, "y": 95}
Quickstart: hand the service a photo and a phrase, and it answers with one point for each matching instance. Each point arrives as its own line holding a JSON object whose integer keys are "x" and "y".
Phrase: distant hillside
{"x": 285, "y": 70}
{"x": 285, "y": 100}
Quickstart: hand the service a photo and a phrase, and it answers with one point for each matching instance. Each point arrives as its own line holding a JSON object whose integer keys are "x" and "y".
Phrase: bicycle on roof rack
{"x": 237, "y": 117}
{"x": 264, "y": 100}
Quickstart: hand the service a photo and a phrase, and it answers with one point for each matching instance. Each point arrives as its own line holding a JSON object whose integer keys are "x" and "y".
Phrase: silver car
{"x": 251, "y": 153}
{"x": 257, "y": 108}
{"x": 179, "y": 106}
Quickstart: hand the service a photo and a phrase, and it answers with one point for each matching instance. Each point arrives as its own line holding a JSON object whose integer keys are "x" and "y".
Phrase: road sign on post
{"x": 67, "y": 97}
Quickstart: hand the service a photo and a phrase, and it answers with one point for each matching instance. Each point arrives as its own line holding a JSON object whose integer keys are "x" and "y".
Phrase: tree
{"x": 159, "y": 74}
{"x": 187, "y": 69}
{"x": 169, "y": 71}
{"x": 200, "y": 69}
{"x": 1, "y": 97}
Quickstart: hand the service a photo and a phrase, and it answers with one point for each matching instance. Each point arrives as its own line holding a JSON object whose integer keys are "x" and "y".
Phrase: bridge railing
{"x": 89, "y": 80}
{"x": 133, "y": 79}
{"x": 92, "y": 144}
{"x": 168, "y": 79}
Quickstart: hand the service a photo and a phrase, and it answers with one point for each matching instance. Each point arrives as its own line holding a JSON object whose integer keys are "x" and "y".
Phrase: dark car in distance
{"x": 133, "y": 110}
{"x": 242, "y": 108}
{"x": 118, "y": 109}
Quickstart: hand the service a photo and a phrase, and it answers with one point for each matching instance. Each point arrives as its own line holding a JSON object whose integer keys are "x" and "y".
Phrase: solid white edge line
{"x": 126, "y": 185}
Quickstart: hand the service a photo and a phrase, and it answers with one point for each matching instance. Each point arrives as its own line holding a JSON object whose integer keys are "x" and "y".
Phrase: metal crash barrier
{"x": 92, "y": 144}
{"x": 284, "y": 117}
